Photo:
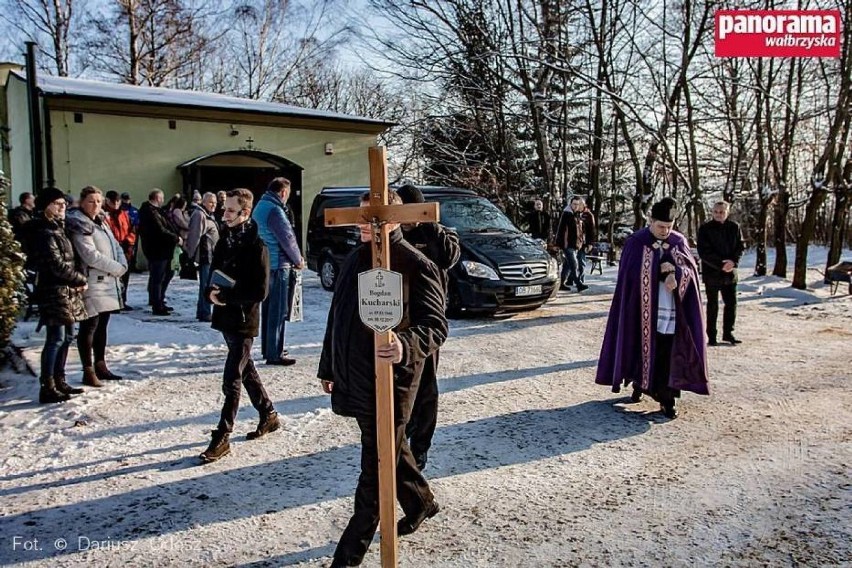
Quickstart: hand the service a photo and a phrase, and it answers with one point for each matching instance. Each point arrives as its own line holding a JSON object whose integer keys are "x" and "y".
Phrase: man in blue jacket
{"x": 284, "y": 256}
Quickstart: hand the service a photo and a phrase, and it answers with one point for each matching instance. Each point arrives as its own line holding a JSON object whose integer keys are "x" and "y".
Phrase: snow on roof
{"x": 99, "y": 90}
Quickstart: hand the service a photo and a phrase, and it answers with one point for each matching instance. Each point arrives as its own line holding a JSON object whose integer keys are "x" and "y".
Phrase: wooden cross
{"x": 378, "y": 214}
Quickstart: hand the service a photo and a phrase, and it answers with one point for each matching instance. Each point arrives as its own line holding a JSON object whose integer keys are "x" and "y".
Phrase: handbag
{"x": 188, "y": 268}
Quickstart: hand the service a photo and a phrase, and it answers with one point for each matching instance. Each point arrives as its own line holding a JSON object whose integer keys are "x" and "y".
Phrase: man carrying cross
{"x": 348, "y": 372}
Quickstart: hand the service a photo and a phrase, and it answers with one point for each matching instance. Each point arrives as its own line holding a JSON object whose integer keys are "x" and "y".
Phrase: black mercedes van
{"x": 501, "y": 268}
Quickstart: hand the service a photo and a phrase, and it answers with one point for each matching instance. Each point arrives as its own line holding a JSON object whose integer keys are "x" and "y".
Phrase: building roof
{"x": 64, "y": 87}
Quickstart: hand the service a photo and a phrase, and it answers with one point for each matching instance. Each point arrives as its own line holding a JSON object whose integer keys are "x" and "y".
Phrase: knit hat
{"x": 664, "y": 210}
{"x": 410, "y": 194}
{"x": 112, "y": 195}
{"x": 47, "y": 196}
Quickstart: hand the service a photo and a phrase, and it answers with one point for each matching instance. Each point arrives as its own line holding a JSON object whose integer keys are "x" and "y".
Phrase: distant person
{"x": 442, "y": 248}
{"x": 159, "y": 240}
{"x": 284, "y": 257}
{"x": 200, "y": 243}
{"x": 240, "y": 255}
{"x": 196, "y": 197}
{"x": 571, "y": 238}
{"x": 178, "y": 215}
{"x": 59, "y": 293}
{"x": 655, "y": 332}
{"x": 133, "y": 214}
{"x": 124, "y": 232}
{"x": 347, "y": 370}
{"x": 720, "y": 247}
{"x": 102, "y": 260}
{"x": 20, "y": 216}
{"x": 538, "y": 221}
{"x": 220, "y": 208}
{"x": 590, "y": 235}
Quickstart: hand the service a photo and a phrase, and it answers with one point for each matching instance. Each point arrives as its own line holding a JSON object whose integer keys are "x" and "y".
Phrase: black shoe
{"x": 161, "y": 312}
{"x": 408, "y": 525}
{"x": 127, "y": 308}
{"x": 637, "y": 395}
{"x": 65, "y": 388}
{"x": 731, "y": 339}
{"x": 343, "y": 563}
{"x": 712, "y": 342}
{"x": 168, "y": 308}
{"x": 581, "y": 287}
{"x": 284, "y": 361}
{"x": 104, "y": 374}
{"x": 206, "y": 319}
{"x": 219, "y": 447}
{"x": 565, "y": 287}
{"x": 421, "y": 459}
{"x": 669, "y": 410}
{"x": 268, "y": 423}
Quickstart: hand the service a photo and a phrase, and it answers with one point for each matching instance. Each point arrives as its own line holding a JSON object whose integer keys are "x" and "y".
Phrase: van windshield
{"x": 473, "y": 215}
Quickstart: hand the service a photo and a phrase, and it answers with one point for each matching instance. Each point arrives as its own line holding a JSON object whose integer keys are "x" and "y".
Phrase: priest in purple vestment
{"x": 655, "y": 332}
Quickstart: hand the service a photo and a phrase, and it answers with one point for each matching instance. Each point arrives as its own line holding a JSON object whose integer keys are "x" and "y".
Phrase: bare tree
{"x": 48, "y": 22}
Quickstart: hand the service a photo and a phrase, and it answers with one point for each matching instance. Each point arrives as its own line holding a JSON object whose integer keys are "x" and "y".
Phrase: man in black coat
{"x": 347, "y": 370}
{"x": 720, "y": 246}
{"x": 538, "y": 222}
{"x": 241, "y": 256}
{"x": 441, "y": 247}
{"x": 159, "y": 239}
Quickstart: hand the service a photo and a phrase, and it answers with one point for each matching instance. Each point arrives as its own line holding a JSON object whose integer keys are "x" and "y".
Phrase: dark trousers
{"x": 660, "y": 389}
{"x": 92, "y": 338}
{"x": 424, "y": 414}
{"x": 57, "y": 340}
{"x": 159, "y": 275}
{"x": 125, "y": 282}
{"x": 239, "y": 372}
{"x": 729, "y": 316}
{"x": 203, "y": 307}
{"x": 412, "y": 491}
{"x": 581, "y": 265}
{"x": 274, "y": 312}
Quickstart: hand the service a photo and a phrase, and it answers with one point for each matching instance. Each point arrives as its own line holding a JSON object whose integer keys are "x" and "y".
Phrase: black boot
{"x": 408, "y": 525}
{"x": 268, "y": 423}
{"x": 105, "y": 374}
{"x": 729, "y": 337}
{"x": 48, "y": 393}
{"x": 218, "y": 448}
{"x": 637, "y": 395}
{"x": 669, "y": 410}
{"x": 65, "y": 388}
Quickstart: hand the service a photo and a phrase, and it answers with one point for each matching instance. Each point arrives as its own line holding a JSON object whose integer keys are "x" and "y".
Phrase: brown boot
{"x": 90, "y": 379}
{"x": 105, "y": 374}
{"x": 64, "y": 387}
{"x": 219, "y": 447}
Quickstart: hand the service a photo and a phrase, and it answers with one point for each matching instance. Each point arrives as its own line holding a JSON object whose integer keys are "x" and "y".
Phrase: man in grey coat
{"x": 200, "y": 241}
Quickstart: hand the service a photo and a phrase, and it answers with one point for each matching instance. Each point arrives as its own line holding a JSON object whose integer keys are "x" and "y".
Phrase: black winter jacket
{"x": 570, "y": 233}
{"x": 241, "y": 254}
{"x": 159, "y": 237}
{"x": 347, "y": 357}
{"x": 58, "y": 282}
{"x": 718, "y": 242}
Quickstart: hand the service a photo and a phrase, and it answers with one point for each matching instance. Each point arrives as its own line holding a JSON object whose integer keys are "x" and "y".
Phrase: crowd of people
{"x": 246, "y": 256}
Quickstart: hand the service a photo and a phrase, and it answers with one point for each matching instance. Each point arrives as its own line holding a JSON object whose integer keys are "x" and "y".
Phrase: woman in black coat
{"x": 59, "y": 293}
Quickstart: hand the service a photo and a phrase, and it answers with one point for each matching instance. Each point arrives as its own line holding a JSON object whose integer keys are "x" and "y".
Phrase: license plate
{"x": 528, "y": 290}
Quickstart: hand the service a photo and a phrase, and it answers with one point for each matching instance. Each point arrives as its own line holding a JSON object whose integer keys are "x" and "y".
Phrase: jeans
{"x": 159, "y": 275}
{"x": 569, "y": 268}
{"x": 240, "y": 372}
{"x": 93, "y": 338}
{"x": 412, "y": 491}
{"x": 581, "y": 265}
{"x": 203, "y": 308}
{"x": 274, "y": 311}
{"x": 729, "y": 317}
{"x": 55, "y": 352}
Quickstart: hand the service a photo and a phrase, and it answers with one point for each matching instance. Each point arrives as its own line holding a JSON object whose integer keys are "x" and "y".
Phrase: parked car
{"x": 501, "y": 268}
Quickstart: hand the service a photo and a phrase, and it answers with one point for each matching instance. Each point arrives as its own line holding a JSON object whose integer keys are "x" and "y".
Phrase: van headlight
{"x": 479, "y": 270}
{"x": 552, "y": 268}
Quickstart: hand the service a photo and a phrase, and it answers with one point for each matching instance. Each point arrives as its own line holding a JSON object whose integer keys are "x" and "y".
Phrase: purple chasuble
{"x": 627, "y": 353}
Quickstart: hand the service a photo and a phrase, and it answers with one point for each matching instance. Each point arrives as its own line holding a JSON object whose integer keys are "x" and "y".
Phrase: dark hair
{"x": 393, "y": 197}
{"x": 112, "y": 195}
{"x": 410, "y": 194}
{"x": 244, "y": 197}
{"x": 24, "y": 196}
{"x": 277, "y": 184}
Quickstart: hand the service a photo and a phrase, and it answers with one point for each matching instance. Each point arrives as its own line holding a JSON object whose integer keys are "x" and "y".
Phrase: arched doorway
{"x": 251, "y": 169}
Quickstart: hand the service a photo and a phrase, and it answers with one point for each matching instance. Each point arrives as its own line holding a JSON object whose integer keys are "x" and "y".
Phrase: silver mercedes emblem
{"x": 527, "y": 272}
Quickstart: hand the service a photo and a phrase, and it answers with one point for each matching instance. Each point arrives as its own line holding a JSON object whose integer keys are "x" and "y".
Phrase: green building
{"x": 133, "y": 139}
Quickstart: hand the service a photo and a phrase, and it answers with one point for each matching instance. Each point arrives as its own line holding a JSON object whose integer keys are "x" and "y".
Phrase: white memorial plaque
{"x": 380, "y": 299}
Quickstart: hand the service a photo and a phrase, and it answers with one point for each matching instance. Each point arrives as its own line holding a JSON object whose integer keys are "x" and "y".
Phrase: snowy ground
{"x": 533, "y": 464}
